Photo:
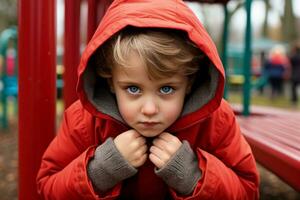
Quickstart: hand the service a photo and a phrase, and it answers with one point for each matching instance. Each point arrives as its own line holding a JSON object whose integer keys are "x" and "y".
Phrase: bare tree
{"x": 265, "y": 24}
{"x": 288, "y": 22}
{"x": 8, "y": 13}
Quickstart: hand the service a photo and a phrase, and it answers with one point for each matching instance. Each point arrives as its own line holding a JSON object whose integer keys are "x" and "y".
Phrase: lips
{"x": 149, "y": 124}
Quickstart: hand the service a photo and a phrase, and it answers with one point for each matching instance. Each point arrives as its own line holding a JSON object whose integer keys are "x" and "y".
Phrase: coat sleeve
{"x": 229, "y": 170}
{"x": 63, "y": 173}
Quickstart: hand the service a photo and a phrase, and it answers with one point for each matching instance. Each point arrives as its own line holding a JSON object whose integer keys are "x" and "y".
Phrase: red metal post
{"x": 96, "y": 10}
{"x": 92, "y": 18}
{"x": 37, "y": 90}
{"x": 71, "y": 50}
{"x": 102, "y": 7}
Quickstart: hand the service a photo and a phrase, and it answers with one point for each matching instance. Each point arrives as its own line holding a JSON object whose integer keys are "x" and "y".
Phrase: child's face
{"x": 149, "y": 106}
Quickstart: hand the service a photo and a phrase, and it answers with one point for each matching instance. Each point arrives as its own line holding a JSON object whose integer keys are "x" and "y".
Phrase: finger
{"x": 139, "y": 161}
{"x": 162, "y": 155}
{"x": 137, "y": 143}
{"x": 156, "y": 160}
{"x": 133, "y": 134}
{"x": 169, "y": 138}
{"x": 167, "y": 147}
{"x": 160, "y": 143}
{"x": 141, "y": 151}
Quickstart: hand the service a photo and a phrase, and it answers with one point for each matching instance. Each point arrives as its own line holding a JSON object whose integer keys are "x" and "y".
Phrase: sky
{"x": 212, "y": 15}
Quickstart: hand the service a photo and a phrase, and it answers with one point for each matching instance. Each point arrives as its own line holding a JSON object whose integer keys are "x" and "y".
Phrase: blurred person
{"x": 276, "y": 68}
{"x": 10, "y": 62}
{"x": 295, "y": 73}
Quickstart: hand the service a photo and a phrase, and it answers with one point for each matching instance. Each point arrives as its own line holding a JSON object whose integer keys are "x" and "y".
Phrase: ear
{"x": 111, "y": 85}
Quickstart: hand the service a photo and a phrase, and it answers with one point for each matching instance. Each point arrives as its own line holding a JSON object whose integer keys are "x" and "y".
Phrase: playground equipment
{"x": 274, "y": 137}
{"x": 235, "y": 74}
{"x": 37, "y": 90}
{"x": 8, "y": 72}
{"x": 37, "y": 74}
{"x": 247, "y": 55}
{"x": 260, "y": 50}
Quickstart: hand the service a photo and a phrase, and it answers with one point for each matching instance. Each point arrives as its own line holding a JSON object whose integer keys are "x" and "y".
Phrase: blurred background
{"x": 275, "y": 40}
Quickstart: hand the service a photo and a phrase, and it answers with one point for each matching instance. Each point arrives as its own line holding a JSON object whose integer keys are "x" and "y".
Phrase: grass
{"x": 263, "y": 100}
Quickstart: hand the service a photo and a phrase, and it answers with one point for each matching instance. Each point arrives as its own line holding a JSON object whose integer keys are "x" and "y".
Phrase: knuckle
{"x": 151, "y": 149}
{"x": 141, "y": 140}
{"x": 131, "y": 133}
{"x": 169, "y": 149}
{"x": 165, "y": 158}
{"x": 174, "y": 140}
{"x": 158, "y": 143}
{"x": 135, "y": 144}
{"x": 139, "y": 154}
{"x": 139, "y": 161}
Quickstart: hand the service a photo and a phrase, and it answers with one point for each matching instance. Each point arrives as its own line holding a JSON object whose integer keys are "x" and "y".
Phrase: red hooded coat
{"x": 207, "y": 122}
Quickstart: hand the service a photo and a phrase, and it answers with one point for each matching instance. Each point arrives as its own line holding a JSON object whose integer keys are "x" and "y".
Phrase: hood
{"x": 170, "y": 14}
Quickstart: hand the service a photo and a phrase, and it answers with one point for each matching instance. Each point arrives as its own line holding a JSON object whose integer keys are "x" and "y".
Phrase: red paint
{"x": 92, "y": 19}
{"x": 96, "y": 10}
{"x": 274, "y": 137}
{"x": 37, "y": 90}
{"x": 71, "y": 50}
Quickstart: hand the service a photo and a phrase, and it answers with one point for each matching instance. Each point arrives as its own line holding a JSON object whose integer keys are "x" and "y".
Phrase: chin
{"x": 149, "y": 134}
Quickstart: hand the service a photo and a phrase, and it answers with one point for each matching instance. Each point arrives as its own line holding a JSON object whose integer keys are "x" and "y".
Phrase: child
{"x": 151, "y": 122}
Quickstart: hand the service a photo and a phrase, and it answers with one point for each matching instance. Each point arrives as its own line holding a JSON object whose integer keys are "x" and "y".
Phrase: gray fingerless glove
{"x": 181, "y": 172}
{"x": 108, "y": 167}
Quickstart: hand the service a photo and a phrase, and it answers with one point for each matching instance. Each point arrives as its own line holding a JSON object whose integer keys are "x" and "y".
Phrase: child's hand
{"x": 133, "y": 147}
{"x": 164, "y": 146}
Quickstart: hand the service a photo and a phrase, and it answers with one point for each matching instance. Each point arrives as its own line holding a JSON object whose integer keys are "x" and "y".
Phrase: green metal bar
{"x": 224, "y": 46}
{"x": 247, "y": 61}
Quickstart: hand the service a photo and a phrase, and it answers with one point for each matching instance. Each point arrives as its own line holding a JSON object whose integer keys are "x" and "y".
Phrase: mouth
{"x": 149, "y": 124}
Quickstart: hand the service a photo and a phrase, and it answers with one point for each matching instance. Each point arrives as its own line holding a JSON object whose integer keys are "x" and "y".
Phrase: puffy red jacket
{"x": 207, "y": 123}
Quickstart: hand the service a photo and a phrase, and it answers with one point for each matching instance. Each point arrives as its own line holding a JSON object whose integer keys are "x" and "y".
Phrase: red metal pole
{"x": 92, "y": 19}
{"x": 37, "y": 90}
{"x": 71, "y": 50}
{"x": 96, "y": 10}
{"x": 102, "y": 7}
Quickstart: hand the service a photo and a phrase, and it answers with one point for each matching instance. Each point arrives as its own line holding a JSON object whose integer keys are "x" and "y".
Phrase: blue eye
{"x": 133, "y": 90}
{"x": 166, "y": 90}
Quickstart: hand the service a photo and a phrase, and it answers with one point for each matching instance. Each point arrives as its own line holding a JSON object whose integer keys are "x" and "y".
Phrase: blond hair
{"x": 164, "y": 52}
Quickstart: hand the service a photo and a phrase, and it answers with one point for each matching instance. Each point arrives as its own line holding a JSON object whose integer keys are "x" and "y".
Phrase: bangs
{"x": 163, "y": 55}
{"x": 163, "y": 52}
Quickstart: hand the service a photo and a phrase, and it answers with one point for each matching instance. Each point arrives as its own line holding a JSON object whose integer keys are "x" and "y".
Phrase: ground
{"x": 271, "y": 187}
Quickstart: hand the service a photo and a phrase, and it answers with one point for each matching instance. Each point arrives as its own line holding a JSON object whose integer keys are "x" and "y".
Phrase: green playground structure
{"x": 260, "y": 48}
{"x": 235, "y": 74}
{"x": 246, "y": 58}
{"x": 8, "y": 73}
{"x": 238, "y": 60}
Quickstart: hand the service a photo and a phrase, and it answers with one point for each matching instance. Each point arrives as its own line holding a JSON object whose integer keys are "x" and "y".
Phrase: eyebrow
{"x": 175, "y": 82}
{"x": 127, "y": 83}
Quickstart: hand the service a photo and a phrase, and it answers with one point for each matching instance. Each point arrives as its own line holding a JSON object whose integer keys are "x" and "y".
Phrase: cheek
{"x": 127, "y": 110}
{"x": 172, "y": 110}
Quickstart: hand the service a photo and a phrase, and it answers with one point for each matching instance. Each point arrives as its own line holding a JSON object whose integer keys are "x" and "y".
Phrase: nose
{"x": 149, "y": 108}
